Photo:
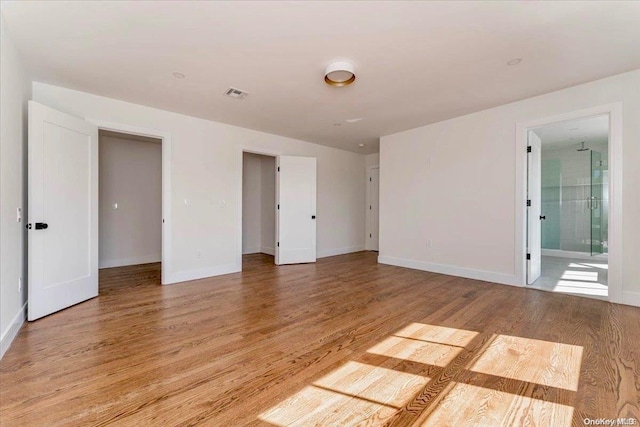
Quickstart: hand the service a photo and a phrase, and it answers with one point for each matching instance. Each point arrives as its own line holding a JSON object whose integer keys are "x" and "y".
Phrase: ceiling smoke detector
{"x": 236, "y": 93}
{"x": 340, "y": 73}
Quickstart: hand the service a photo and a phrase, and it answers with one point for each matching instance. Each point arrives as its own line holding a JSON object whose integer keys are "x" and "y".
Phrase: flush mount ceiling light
{"x": 353, "y": 120}
{"x": 178, "y": 75}
{"x": 361, "y": 145}
{"x": 514, "y": 61}
{"x": 340, "y": 73}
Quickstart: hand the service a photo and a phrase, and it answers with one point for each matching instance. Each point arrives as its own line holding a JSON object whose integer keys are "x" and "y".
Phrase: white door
{"x": 534, "y": 184}
{"x": 374, "y": 208}
{"x": 63, "y": 210}
{"x": 296, "y": 210}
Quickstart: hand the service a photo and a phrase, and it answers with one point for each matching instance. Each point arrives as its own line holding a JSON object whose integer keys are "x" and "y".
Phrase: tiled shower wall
{"x": 566, "y": 187}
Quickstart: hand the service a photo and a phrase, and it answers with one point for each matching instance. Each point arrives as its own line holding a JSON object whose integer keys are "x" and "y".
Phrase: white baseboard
{"x": 487, "y": 276}
{"x": 12, "y": 331}
{"x": 631, "y": 298}
{"x": 201, "y": 273}
{"x": 122, "y": 262}
{"x": 268, "y": 251}
{"x": 249, "y": 251}
{"x": 339, "y": 251}
{"x": 571, "y": 254}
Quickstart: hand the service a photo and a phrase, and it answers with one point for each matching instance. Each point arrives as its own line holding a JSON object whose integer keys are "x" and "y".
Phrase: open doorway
{"x": 258, "y": 208}
{"x": 130, "y": 207}
{"x": 568, "y": 205}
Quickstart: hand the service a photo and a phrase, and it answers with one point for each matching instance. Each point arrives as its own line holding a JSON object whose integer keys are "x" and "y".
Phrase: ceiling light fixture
{"x": 178, "y": 75}
{"x": 340, "y": 73}
{"x": 353, "y": 120}
{"x": 361, "y": 145}
{"x": 514, "y": 61}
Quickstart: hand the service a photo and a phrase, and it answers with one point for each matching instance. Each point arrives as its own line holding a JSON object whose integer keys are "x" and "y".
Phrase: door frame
{"x": 165, "y": 139}
{"x": 261, "y": 152}
{"x": 367, "y": 210}
{"x": 614, "y": 111}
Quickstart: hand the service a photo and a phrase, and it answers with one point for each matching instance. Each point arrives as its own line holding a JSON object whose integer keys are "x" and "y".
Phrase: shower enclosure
{"x": 575, "y": 201}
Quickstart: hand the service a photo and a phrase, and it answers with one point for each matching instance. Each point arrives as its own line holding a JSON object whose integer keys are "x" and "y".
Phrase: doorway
{"x": 130, "y": 202}
{"x": 258, "y": 207}
{"x": 568, "y": 205}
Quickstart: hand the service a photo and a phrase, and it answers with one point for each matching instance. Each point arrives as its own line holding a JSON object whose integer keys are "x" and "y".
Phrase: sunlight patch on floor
{"x": 581, "y": 288}
{"x": 488, "y": 407}
{"x": 437, "y": 334}
{"x": 541, "y": 362}
{"x": 581, "y": 276}
{"x": 347, "y": 396}
{"x": 416, "y": 351}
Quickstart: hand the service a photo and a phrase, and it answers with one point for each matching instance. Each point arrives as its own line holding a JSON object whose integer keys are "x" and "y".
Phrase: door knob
{"x": 41, "y": 225}
{"x": 542, "y": 217}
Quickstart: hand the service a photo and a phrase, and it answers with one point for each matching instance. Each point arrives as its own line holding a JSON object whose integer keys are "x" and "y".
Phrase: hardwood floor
{"x": 342, "y": 342}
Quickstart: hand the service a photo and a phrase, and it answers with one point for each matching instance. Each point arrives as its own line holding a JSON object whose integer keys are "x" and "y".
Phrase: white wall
{"x": 453, "y": 182}
{"x": 206, "y": 168}
{"x": 251, "y": 203}
{"x": 131, "y": 177}
{"x": 268, "y": 205}
{"x": 15, "y": 91}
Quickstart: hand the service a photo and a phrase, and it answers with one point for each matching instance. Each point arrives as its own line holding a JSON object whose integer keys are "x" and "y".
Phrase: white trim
{"x": 202, "y": 273}
{"x": 368, "y": 211}
{"x": 263, "y": 152}
{"x": 487, "y": 276}
{"x": 340, "y": 251}
{"x": 268, "y": 251}
{"x": 614, "y": 111}
{"x": 122, "y": 262}
{"x": 12, "y": 331}
{"x": 573, "y": 254}
{"x": 631, "y": 298}
{"x": 166, "y": 183}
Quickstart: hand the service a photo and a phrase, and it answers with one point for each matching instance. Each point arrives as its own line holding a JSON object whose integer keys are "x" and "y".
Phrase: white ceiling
{"x": 591, "y": 130}
{"x": 416, "y": 62}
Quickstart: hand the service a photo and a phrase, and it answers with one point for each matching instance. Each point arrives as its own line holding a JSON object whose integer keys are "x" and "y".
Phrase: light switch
{"x": 19, "y": 214}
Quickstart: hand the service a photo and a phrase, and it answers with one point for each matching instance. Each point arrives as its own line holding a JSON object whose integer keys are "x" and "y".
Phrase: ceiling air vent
{"x": 236, "y": 93}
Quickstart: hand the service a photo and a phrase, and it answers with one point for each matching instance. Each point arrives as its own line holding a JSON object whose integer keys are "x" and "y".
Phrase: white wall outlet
{"x": 19, "y": 214}
{"x": 429, "y": 243}
{"x": 20, "y": 284}
{"x": 115, "y": 206}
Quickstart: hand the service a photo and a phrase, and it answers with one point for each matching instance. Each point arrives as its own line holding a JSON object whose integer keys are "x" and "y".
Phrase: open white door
{"x": 63, "y": 211}
{"x": 296, "y": 210}
{"x": 374, "y": 208}
{"x": 534, "y": 184}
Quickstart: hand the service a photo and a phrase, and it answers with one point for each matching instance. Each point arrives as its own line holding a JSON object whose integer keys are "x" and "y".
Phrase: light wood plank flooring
{"x": 338, "y": 343}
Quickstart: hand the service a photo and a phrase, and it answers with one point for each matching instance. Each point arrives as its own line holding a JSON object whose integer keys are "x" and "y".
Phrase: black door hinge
{"x": 278, "y": 168}
{"x": 278, "y": 244}
{"x": 528, "y": 149}
{"x": 369, "y": 179}
{"x": 370, "y": 235}
{"x": 529, "y": 202}
{"x": 278, "y": 206}
{"x": 528, "y": 257}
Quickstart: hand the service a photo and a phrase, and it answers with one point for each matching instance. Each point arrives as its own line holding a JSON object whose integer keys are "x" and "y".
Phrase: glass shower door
{"x": 595, "y": 202}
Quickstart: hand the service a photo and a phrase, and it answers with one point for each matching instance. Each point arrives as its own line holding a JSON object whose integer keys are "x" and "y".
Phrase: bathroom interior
{"x": 575, "y": 207}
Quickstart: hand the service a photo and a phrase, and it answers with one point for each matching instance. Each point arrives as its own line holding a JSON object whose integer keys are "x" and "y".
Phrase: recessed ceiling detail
{"x": 178, "y": 75}
{"x": 340, "y": 73}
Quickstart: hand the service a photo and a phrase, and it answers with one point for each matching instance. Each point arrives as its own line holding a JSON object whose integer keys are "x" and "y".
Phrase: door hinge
{"x": 278, "y": 206}
{"x": 278, "y": 168}
{"x": 369, "y": 207}
{"x": 369, "y": 235}
{"x": 528, "y": 149}
{"x": 278, "y": 244}
{"x": 528, "y": 202}
{"x": 528, "y": 257}
{"x": 369, "y": 179}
